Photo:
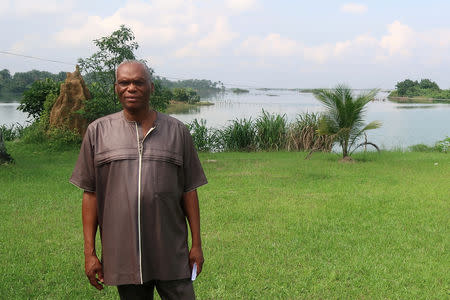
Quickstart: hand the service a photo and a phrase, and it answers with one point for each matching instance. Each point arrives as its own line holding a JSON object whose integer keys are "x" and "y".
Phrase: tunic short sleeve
{"x": 83, "y": 175}
{"x": 194, "y": 176}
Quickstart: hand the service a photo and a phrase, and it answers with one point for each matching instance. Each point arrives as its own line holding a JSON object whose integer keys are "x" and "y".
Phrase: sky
{"x": 243, "y": 43}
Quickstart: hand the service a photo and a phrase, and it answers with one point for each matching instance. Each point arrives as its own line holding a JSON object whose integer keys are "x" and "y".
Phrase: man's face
{"x": 133, "y": 87}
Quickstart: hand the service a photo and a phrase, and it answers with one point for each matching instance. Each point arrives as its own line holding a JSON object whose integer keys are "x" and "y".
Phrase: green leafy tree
{"x": 21, "y": 81}
{"x": 33, "y": 99}
{"x": 203, "y": 87}
{"x": 187, "y": 95}
{"x": 100, "y": 69}
{"x": 101, "y": 66}
{"x": 161, "y": 96}
{"x": 5, "y": 79}
{"x": 429, "y": 85}
{"x": 343, "y": 117}
{"x": 403, "y": 87}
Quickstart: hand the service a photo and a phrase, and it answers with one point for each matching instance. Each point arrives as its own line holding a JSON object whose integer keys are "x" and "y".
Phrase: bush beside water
{"x": 440, "y": 146}
{"x": 268, "y": 132}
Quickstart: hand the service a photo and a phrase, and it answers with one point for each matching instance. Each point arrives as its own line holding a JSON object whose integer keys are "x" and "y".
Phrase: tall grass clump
{"x": 240, "y": 135}
{"x": 204, "y": 138}
{"x": 302, "y": 134}
{"x": 11, "y": 132}
{"x": 271, "y": 131}
{"x": 439, "y": 146}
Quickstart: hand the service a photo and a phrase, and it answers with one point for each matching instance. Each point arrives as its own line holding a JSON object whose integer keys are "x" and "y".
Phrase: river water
{"x": 403, "y": 124}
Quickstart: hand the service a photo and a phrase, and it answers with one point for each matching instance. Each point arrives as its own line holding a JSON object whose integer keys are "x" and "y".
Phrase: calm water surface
{"x": 10, "y": 115}
{"x": 403, "y": 124}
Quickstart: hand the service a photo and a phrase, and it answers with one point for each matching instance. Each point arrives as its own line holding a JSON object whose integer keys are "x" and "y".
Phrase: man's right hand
{"x": 94, "y": 271}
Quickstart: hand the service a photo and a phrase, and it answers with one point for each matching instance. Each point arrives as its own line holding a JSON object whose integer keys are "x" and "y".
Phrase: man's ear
{"x": 115, "y": 88}
{"x": 152, "y": 88}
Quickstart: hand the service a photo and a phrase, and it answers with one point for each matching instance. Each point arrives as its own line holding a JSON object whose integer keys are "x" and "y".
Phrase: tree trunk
{"x": 4, "y": 156}
{"x": 345, "y": 149}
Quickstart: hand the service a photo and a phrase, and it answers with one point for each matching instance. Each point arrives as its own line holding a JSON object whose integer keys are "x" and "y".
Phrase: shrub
{"x": 11, "y": 132}
{"x": 33, "y": 99}
{"x": 442, "y": 146}
{"x": 161, "y": 96}
{"x": 186, "y": 95}
{"x": 53, "y": 139}
{"x": 271, "y": 131}
{"x": 34, "y": 134}
{"x": 204, "y": 139}
{"x": 59, "y": 138}
{"x": 302, "y": 134}
{"x": 239, "y": 91}
{"x": 98, "y": 107}
{"x": 240, "y": 135}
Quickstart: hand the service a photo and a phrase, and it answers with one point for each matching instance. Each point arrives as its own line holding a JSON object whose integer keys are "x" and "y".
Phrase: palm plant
{"x": 343, "y": 117}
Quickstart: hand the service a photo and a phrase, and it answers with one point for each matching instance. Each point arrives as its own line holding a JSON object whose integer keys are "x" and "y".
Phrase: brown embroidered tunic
{"x": 139, "y": 182}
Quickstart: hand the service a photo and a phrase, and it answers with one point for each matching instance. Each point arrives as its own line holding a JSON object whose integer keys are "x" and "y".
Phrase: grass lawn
{"x": 274, "y": 227}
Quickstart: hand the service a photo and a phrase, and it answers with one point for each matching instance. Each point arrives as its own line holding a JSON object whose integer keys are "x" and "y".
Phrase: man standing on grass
{"x": 139, "y": 171}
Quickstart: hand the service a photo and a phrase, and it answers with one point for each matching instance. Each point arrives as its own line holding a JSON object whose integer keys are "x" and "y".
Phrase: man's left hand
{"x": 196, "y": 256}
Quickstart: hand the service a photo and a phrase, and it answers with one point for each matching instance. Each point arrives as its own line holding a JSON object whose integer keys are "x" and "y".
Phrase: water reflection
{"x": 183, "y": 109}
{"x": 414, "y": 106}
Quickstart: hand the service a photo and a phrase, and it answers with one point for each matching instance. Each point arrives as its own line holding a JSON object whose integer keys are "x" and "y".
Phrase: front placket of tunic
{"x": 141, "y": 150}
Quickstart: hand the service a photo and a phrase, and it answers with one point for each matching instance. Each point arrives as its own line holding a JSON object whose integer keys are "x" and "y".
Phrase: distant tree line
{"x": 203, "y": 87}
{"x": 21, "y": 81}
{"x": 423, "y": 88}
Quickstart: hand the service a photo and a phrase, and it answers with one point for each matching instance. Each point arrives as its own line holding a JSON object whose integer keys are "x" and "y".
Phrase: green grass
{"x": 275, "y": 226}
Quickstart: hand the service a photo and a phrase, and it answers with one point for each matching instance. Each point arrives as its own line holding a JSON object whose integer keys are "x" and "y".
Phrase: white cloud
{"x": 22, "y": 45}
{"x": 212, "y": 43}
{"x": 400, "y": 39}
{"x": 354, "y": 8}
{"x": 271, "y": 45}
{"x": 318, "y": 54}
{"x": 5, "y": 7}
{"x": 29, "y": 8}
{"x": 156, "y": 23}
{"x": 400, "y": 43}
{"x": 240, "y": 5}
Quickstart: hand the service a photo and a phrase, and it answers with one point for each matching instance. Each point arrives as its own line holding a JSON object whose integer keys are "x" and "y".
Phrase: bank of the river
{"x": 417, "y": 99}
{"x": 404, "y": 124}
{"x": 177, "y": 107}
{"x": 7, "y": 97}
{"x": 275, "y": 226}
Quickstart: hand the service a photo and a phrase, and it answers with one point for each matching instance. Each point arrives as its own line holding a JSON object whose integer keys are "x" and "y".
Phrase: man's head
{"x": 133, "y": 85}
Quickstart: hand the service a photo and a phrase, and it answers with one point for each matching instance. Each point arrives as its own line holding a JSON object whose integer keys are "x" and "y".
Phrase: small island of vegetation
{"x": 239, "y": 91}
{"x": 423, "y": 91}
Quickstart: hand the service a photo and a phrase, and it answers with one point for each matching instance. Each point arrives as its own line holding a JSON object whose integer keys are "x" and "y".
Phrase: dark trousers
{"x": 167, "y": 290}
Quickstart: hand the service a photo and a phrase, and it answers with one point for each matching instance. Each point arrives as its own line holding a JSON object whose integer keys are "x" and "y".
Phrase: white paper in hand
{"x": 194, "y": 272}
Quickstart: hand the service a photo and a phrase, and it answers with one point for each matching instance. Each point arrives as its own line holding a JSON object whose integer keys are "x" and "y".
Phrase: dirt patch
{"x": 347, "y": 160}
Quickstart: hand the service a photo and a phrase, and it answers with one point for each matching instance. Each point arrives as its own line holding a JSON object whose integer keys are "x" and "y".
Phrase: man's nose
{"x": 131, "y": 87}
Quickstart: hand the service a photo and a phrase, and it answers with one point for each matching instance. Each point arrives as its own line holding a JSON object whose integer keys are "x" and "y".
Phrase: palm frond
{"x": 344, "y": 114}
{"x": 372, "y": 125}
